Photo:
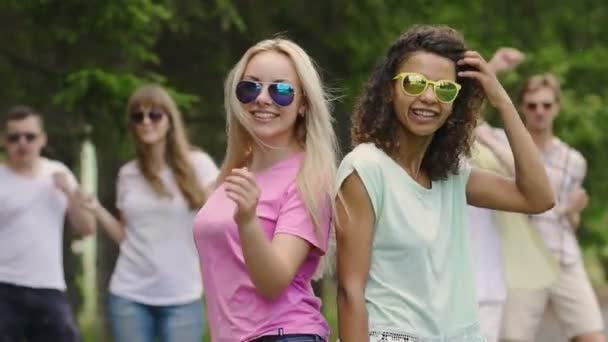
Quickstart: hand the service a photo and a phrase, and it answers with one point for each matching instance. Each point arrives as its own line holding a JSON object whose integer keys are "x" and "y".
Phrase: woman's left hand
{"x": 242, "y": 188}
{"x": 495, "y": 92}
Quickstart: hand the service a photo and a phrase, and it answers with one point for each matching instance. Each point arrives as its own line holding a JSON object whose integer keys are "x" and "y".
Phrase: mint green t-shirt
{"x": 421, "y": 280}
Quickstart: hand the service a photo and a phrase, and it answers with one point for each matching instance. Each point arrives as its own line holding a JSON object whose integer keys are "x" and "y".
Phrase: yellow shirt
{"x": 528, "y": 264}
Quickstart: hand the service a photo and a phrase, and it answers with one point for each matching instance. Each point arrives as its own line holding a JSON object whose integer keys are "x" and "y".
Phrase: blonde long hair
{"x": 315, "y": 180}
{"x": 177, "y": 152}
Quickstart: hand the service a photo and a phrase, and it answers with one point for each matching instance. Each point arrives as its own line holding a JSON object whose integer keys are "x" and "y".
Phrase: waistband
{"x": 471, "y": 333}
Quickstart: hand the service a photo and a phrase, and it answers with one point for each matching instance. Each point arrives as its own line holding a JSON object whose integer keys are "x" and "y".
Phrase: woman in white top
{"x": 156, "y": 287}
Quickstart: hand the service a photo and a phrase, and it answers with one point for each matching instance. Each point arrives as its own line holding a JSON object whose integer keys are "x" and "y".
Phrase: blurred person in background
{"x": 156, "y": 286}
{"x": 36, "y": 194}
{"x": 571, "y": 294}
{"x": 502, "y": 240}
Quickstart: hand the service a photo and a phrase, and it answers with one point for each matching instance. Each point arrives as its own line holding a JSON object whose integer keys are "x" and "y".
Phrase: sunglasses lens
{"x": 156, "y": 116}
{"x": 446, "y": 91}
{"x": 247, "y": 91}
{"x": 532, "y": 106}
{"x": 282, "y": 93}
{"x": 16, "y": 137}
{"x": 13, "y": 138}
{"x": 414, "y": 84}
{"x": 30, "y": 137}
{"x": 137, "y": 117}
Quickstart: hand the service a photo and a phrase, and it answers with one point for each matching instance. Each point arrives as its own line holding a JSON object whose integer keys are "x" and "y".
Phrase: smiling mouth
{"x": 264, "y": 116}
{"x": 424, "y": 113}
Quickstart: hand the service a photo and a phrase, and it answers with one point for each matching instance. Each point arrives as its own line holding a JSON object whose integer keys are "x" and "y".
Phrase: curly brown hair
{"x": 374, "y": 119}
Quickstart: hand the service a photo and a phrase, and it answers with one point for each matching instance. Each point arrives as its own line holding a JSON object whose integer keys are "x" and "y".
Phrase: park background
{"x": 77, "y": 61}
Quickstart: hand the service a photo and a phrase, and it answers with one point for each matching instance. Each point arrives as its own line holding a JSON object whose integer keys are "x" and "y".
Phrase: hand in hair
{"x": 242, "y": 188}
{"x": 483, "y": 73}
{"x": 506, "y": 59}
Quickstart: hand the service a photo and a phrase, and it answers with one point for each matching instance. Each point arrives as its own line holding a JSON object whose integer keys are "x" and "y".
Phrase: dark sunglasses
{"x": 282, "y": 93}
{"x": 535, "y": 105}
{"x": 153, "y": 115}
{"x": 16, "y": 137}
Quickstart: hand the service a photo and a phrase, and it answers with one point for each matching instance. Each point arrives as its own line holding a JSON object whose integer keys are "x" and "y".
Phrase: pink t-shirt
{"x": 236, "y": 311}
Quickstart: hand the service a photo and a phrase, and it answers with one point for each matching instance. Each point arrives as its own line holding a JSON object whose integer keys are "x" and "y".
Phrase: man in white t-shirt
{"x": 35, "y": 195}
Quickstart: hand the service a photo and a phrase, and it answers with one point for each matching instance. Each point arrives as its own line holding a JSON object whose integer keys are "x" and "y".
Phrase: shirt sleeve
{"x": 464, "y": 170}
{"x": 206, "y": 169}
{"x": 71, "y": 179}
{"x": 463, "y": 176}
{"x": 368, "y": 168}
{"x": 295, "y": 219}
{"x": 578, "y": 168}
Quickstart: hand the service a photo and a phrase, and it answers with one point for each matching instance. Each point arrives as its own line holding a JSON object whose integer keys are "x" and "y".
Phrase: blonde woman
{"x": 262, "y": 233}
{"x": 156, "y": 287}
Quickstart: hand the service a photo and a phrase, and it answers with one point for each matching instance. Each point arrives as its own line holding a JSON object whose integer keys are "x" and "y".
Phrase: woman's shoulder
{"x": 129, "y": 168}
{"x": 368, "y": 161}
{"x": 366, "y": 153}
{"x": 201, "y": 158}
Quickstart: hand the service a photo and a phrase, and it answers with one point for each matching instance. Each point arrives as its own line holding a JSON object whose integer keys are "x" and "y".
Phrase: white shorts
{"x": 571, "y": 297}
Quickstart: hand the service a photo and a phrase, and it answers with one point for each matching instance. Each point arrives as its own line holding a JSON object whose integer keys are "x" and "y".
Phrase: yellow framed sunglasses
{"x": 415, "y": 84}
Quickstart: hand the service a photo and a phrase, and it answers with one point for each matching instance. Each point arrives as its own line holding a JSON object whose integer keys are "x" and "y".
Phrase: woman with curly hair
{"x": 404, "y": 258}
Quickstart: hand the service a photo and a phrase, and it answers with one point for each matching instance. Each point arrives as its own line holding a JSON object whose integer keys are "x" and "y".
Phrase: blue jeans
{"x": 136, "y": 322}
{"x": 35, "y": 315}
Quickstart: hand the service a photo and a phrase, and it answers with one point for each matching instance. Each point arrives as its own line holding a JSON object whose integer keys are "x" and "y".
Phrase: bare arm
{"x": 531, "y": 191}
{"x": 81, "y": 219}
{"x": 504, "y": 59}
{"x": 272, "y": 265}
{"x": 113, "y": 227}
{"x": 354, "y": 235}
